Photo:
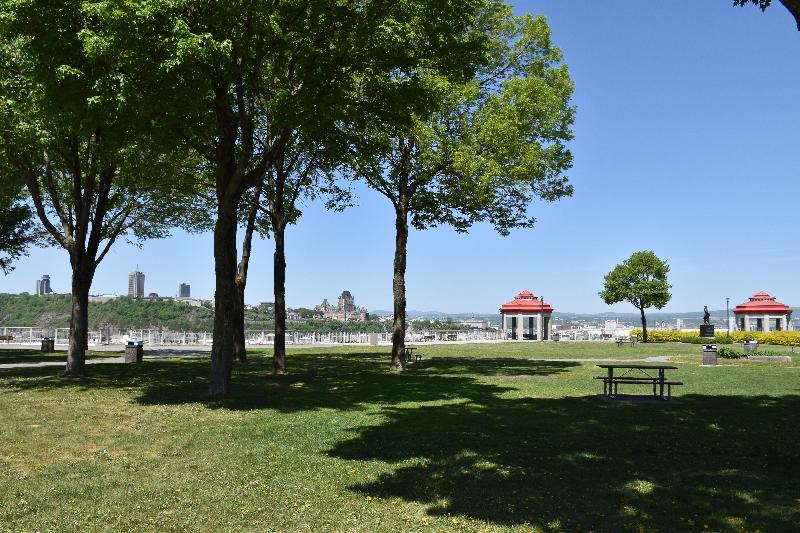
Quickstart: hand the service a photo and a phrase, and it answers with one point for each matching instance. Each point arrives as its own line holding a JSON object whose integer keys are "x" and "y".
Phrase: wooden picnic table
{"x": 633, "y": 374}
{"x": 409, "y": 352}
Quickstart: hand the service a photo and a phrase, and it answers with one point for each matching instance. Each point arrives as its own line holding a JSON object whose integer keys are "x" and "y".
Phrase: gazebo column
{"x": 747, "y": 322}
{"x": 539, "y": 328}
{"x": 766, "y": 323}
{"x": 520, "y": 328}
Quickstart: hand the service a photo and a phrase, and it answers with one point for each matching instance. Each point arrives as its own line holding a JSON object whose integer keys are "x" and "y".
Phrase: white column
{"x": 539, "y": 327}
{"x": 747, "y": 322}
{"x": 766, "y": 323}
{"x": 788, "y": 320}
{"x": 502, "y": 325}
{"x": 520, "y": 327}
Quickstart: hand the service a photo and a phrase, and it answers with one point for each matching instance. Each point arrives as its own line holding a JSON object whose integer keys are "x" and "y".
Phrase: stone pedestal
{"x": 750, "y": 346}
{"x": 710, "y": 355}
{"x": 134, "y": 353}
{"x": 707, "y": 330}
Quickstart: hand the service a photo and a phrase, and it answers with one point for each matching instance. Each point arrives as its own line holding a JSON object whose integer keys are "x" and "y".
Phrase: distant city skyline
{"x": 680, "y": 147}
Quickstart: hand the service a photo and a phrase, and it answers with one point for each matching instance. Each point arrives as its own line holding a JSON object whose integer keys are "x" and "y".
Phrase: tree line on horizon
{"x": 123, "y": 120}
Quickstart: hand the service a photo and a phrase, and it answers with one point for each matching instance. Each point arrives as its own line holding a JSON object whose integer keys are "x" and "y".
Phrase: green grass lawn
{"x": 473, "y": 438}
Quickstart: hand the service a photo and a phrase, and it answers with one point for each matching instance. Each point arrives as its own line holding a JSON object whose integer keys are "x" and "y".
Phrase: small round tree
{"x": 641, "y": 280}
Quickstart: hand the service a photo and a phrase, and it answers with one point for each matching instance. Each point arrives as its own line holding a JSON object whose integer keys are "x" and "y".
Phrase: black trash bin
{"x": 48, "y": 344}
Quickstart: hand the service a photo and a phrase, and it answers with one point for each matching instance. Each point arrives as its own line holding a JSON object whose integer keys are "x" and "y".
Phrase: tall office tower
{"x": 184, "y": 290}
{"x": 136, "y": 285}
{"x": 43, "y": 285}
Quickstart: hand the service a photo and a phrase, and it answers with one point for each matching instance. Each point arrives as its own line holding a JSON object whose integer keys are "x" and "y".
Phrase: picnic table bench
{"x": 650, "y": 375}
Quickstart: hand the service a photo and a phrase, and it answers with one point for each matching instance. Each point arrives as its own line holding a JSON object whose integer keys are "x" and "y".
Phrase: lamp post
{"x": 728, "y": 315}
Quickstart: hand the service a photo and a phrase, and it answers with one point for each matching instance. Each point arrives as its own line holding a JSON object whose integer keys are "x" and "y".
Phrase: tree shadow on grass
{"x": 578, "y": 464}
{"x": 316, "y": 381}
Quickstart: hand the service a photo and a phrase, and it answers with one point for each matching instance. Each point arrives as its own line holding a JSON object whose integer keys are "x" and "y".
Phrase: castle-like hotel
{"x": 344, "y": 311}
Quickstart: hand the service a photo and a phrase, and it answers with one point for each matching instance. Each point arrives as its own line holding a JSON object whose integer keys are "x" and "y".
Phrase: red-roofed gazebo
{"x": 517, "y": 318}
{"x": 763, "y": 313}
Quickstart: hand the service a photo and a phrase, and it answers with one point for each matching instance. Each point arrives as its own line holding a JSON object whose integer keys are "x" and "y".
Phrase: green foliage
{"x": 76, "y": 131}
{"x": 16, "y": 230}
{"x": 53, "y": 311}
{"x": 640, "y": 280}
{"x": 732, "y": 353}
{"x": 493, "y": 142}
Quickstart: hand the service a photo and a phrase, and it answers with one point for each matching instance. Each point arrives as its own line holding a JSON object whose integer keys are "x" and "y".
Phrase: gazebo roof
{"x": 762, "y": 304}
{"x": 526, "y": 302}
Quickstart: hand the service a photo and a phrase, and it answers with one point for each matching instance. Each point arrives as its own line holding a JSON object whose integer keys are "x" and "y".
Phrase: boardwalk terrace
{"x": 517, "y": 318}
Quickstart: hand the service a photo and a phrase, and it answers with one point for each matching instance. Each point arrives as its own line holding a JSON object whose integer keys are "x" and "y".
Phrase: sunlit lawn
{"x": 474, "y": 437}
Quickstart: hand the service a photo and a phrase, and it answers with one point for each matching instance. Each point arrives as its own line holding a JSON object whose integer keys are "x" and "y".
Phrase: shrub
{"x": 778, "y": 338}
{"x": 729, "y": 353}
{"x": 692, "y": 337}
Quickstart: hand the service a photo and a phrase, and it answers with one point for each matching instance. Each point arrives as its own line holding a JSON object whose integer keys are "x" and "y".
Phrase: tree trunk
{"x": 79, "y": 322}
{"x": 644, "y": 325}
{"x": 399, "y": 291}
{"x": 279, "y": 356}
{"x": 224, "y": 300}
{"x": 239, "y": 347}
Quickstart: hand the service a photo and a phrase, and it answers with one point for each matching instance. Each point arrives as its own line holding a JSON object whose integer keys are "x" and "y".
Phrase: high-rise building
{"x": 136, "y": 285}
{"x": 43, "y": 285}
{"x": 184, "y": 290}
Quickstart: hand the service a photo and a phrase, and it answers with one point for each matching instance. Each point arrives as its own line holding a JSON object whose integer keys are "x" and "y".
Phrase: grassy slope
{"x": 453, "y": 444}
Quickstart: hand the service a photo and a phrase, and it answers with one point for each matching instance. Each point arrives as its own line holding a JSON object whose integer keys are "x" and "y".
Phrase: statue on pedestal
{"x": 706, "y": 329}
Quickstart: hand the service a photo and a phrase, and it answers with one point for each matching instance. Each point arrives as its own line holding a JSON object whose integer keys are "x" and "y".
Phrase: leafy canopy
{"x": 494, "y": 142}
{"x": 640, "y": 280}
{"x": 75, "y": 129}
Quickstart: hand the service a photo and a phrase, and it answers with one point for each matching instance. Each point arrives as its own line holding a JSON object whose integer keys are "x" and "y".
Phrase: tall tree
{"x": 792, "y": 5}
{"x": 72, "y": 132}
{"x": 265, "y": 92}
{"x": 493, "y": 144}
{"x": 640, "y": 280}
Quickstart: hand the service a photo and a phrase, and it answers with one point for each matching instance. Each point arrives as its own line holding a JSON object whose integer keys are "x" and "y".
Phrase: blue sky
{"x": 685, "y": 143}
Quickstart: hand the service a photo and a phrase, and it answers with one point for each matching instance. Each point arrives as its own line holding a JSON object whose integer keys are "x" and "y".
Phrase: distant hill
{"x": 53, "y": 311}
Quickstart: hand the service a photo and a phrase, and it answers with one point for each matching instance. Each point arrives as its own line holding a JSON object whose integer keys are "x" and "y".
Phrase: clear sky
{"x": 686, "y": 143}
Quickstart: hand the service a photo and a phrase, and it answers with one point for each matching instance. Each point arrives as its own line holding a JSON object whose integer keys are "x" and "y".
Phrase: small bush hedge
{"x": 692, "y": 337}
{"x": 731, "y": 353}
{"x": 778, "y": 338}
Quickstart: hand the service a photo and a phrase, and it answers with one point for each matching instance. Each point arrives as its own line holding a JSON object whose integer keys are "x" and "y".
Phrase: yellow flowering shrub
{"x": 781, "y": 338}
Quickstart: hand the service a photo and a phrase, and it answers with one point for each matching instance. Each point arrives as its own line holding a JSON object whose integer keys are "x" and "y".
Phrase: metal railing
{"x": 161, "y": 337}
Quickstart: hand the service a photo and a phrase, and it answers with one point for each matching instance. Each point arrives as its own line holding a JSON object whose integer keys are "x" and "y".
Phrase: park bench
{"x": 625, "y": 340}
{"x": 6, "y": 338}
{"x": 638, "y": 375}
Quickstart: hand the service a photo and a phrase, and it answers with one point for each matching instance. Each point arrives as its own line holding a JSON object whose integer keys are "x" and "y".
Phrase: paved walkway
{"x": 154, "y": 354}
